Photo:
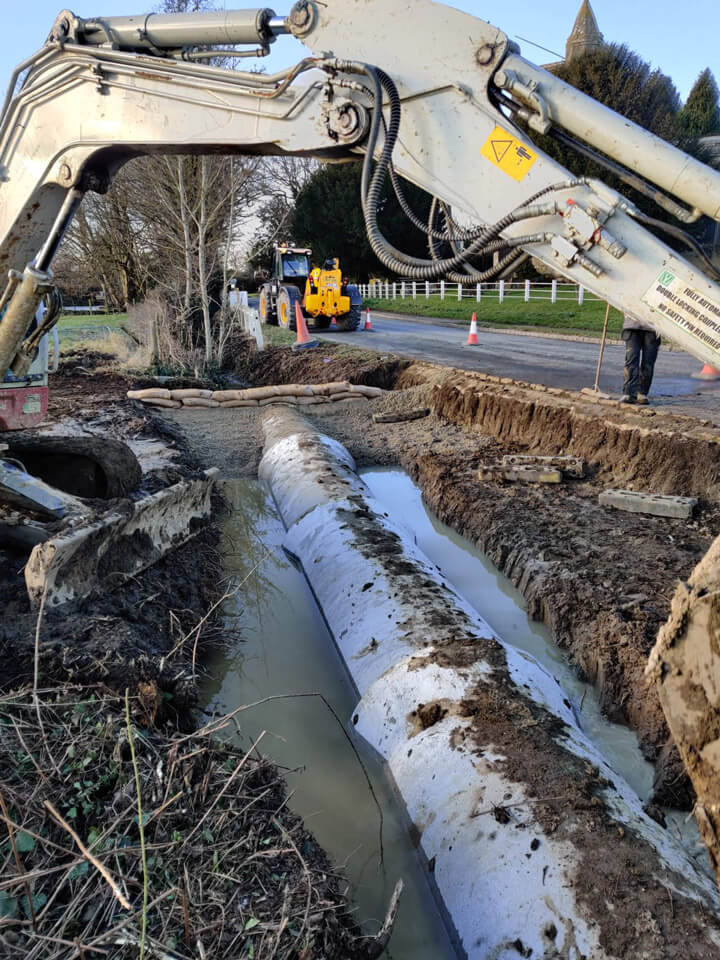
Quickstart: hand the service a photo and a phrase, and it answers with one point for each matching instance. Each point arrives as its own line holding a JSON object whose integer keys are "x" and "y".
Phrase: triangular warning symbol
{"x": 500, "y": 148}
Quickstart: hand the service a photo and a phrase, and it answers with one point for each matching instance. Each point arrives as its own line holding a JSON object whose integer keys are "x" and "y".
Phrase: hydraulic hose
{"x": 371, "y": 187}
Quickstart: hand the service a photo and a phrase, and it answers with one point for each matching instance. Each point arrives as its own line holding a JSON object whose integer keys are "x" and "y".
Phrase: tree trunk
{"x": 187, "y": 240}
{"x": 202, "y": 262}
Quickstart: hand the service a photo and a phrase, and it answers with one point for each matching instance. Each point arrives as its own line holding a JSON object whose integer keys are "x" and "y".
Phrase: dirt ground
{"x": 124, "y": 637}
{"x": 600, "y": 579}
{"x": 147, "y": 637}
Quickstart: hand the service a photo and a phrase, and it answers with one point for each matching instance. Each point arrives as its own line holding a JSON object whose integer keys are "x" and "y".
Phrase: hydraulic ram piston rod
{"x": 171, "y": 31}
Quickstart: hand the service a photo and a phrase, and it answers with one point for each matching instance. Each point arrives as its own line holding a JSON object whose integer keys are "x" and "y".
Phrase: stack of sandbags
{"x": 154, "y": 397}
{"x": 298, "y": 394}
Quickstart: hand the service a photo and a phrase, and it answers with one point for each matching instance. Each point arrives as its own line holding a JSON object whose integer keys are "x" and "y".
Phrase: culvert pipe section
{"x": 536, "y": 846}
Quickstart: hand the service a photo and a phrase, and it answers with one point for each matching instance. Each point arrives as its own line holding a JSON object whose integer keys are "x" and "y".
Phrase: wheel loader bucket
{"x": 103, "y": 553}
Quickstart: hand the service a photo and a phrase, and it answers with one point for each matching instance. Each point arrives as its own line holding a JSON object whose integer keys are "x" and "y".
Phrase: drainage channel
{"x": 283, "y": 647}
{"x": 503, "y": 607}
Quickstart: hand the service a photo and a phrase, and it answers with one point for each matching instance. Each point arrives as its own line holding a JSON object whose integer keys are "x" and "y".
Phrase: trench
{"x": 282, "y": 646}
{"x": 503, "y": 606}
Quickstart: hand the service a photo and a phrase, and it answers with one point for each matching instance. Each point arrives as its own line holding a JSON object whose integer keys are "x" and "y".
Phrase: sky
{"x": 680, "y": 39}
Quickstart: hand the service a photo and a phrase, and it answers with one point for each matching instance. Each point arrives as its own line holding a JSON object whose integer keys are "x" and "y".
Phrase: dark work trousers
{"x": 641, "y": 350}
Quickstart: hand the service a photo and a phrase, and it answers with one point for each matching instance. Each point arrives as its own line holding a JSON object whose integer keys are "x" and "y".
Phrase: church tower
{"x": 585, "y": 34}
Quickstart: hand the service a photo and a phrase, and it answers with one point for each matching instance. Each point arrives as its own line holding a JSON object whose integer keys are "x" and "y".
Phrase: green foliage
{"x": 700, "y": 116}
{"x": 328, "y": 218}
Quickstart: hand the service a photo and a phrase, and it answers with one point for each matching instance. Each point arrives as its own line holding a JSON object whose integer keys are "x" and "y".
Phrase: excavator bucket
{"x": 103, "y": 553}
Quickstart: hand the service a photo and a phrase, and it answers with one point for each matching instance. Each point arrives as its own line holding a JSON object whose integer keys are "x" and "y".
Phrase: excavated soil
{"x": 600, "y": 579}
{"x": 142, "y": 632}
{"x": 148, "y": 637}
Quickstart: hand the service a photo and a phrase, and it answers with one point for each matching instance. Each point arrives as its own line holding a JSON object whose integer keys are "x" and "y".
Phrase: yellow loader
{"x": 328, "y": 295}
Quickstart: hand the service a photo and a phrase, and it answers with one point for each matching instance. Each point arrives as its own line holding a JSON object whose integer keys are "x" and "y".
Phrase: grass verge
{"x": 71, "y": 321}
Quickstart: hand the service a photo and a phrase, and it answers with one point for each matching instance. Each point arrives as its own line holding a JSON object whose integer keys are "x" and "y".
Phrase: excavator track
{"x": 86, "y": 467}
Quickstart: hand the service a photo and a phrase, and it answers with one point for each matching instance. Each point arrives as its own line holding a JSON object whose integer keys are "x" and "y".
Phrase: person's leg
{"x": 633, "y": 343}
{"x": 650, "y": 347}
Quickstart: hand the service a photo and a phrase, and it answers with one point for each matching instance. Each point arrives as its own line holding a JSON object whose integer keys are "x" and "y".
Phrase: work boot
{"x": 641, "y": 399}
{"x": 627, "y": 398}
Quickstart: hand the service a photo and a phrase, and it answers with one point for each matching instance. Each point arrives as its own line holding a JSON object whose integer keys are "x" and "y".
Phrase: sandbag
{"x": 199, "y": 402}
{"x": 191, "y": 392}
{"x": 293, "y": 390}
{"x": 366, "y": 391}
{"x": 346, "y": 395}
{"x": 250, "y": 393}
{"x": 155, "y": 393}
{"x": 222, "y": 395}
{"x": 326, "y": 389}
{"x": 270, "y": 400}
{"x": 311, "y": 401}
{"x": 259, "y": 393}
{"x": 239, "y": 403}
{"x": 160, "y": 402}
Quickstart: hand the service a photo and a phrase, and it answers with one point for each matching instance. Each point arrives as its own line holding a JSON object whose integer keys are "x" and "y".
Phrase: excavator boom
{"x": 102, "y": 91}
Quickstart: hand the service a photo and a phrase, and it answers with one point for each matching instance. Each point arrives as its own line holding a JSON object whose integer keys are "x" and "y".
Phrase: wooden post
{"x": 442, "y": 289}
{"x": 501, "y": 291}
{"x": 553, "y": 292}
{"x": 478, "y": 292}
{"x": 527, "y": 291}
{"x": 154, "y": 335}
{"x": 581, "y": 294}
{"x": 602, "y": 347}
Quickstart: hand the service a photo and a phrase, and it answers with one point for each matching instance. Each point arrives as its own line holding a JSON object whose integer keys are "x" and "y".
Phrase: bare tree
{"x": 280, "y": 181}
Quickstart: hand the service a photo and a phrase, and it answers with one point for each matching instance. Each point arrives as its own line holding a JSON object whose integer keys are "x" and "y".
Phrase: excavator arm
{"x": 439, "y": 111}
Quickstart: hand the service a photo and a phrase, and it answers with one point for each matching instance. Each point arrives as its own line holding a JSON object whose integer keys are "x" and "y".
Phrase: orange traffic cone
{"x": 472, "y": 340}
{"x": 368, "y": 322}
{"x": 707, "y": 373}
{"x": 304, "y": 341}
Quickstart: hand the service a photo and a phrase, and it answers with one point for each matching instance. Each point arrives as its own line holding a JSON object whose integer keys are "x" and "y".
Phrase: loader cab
{"x": 291, "y": 265}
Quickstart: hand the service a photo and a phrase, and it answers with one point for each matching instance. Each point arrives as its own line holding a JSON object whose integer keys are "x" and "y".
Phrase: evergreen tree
{"x": 700, "y": 116}
{"x": 328, "y": 218}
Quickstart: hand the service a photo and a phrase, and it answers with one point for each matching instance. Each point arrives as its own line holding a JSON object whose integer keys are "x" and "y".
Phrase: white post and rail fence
{"x": 554, "y": 291}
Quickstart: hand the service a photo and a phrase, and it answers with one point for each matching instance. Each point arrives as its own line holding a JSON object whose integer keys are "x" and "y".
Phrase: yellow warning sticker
{"x": 510, "y": 154}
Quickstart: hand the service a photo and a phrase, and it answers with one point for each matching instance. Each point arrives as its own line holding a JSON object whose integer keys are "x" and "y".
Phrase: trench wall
{"x": 654, "y": 452}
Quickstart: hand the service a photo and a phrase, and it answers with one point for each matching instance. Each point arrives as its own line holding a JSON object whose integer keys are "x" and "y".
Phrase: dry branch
{"x": 227, "y": 864}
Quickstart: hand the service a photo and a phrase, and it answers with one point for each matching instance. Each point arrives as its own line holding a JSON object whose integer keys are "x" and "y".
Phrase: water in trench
{"x": 283, "y": 647}
{"x": 503, "y": 607}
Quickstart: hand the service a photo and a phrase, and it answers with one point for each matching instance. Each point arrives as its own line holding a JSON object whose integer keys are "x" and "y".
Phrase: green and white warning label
{"x": 690, "y": 309}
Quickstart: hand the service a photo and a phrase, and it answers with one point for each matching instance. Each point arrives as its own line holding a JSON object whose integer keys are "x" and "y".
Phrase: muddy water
{"x": 283, "y": 647}
{"x": 503, "y": 607}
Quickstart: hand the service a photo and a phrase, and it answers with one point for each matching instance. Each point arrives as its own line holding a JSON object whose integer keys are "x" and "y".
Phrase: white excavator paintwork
{"x": 84, "y": 109}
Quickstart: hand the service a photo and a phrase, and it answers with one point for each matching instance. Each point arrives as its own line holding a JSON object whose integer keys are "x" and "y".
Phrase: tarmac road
{"x": 554, "y": 362}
